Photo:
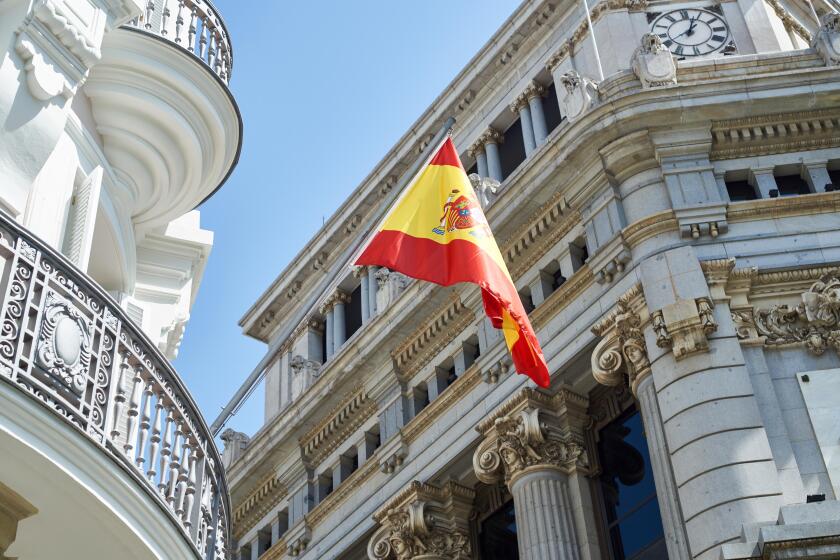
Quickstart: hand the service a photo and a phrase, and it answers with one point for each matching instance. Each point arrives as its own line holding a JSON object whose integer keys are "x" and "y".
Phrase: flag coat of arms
{"x": 437, "y": 232}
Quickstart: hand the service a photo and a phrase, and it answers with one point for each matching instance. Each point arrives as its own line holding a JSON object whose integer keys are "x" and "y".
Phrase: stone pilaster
{"x": 535, "y": 442}
{"x": 425, "y": 522}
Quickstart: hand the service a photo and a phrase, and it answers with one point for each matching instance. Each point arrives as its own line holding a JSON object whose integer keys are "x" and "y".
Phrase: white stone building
{"x": 116, "y": 122}
{"x": 672, "y": 222}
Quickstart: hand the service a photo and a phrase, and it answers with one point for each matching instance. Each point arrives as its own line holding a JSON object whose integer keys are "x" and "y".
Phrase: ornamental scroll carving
{"x": 424, "y": 521}
{"x": 815, "y": 322}
{"x": 622, "y": 353}
{"x": 64, "y": 344}
{"x": 533, "y": 430}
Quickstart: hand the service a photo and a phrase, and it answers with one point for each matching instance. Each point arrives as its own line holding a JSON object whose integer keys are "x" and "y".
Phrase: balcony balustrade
{"x": 67, "y": 344}
{"x": 195, "y": 26}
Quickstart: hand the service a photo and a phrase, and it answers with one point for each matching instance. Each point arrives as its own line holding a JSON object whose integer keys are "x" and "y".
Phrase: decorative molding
{"x": 336, "y": 426}
{"x": 650, "y": 226}
{"x": 566, "y": 294}
{"x": 432, "y": 336}
{"x": 790, "y": 23}
{"x": 772, "y": 134}
{"x": 276, "y": 552}
{"x": 653, "y": 63}
{"x": 622, "y": 354}
{"x": 333, "y": 501}
{"x": 827, "y": 40}
{"x": 267, "y": 494}
{"x": 553, "y": 221}
{"x": 424, "y": 521}
{"x": 533, "y": 431}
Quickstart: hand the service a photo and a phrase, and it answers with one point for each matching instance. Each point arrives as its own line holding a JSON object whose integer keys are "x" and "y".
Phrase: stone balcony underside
{"x": 64, "y": 343}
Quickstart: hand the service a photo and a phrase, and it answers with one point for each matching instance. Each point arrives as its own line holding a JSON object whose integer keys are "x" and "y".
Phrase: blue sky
{"x": 325, "y": 90}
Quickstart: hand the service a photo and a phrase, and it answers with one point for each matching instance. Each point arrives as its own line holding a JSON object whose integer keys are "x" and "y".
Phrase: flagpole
{"x": 330, "y": 280}
{"x": 594, "y": 42}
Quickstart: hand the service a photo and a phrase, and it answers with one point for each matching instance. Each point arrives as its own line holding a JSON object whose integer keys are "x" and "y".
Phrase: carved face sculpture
{"x": 511, "y": 457}
{"x": 831, "y": 23}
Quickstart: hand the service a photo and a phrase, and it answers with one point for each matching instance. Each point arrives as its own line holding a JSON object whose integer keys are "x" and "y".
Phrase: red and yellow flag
{"x": 437, "y": 232}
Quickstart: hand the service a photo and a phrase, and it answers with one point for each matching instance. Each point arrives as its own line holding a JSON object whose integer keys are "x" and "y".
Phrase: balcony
{"x": 98, "y": 435}
{"x": 162, "y": 106}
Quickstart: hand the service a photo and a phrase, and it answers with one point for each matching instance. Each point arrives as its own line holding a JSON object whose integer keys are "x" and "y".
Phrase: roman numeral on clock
{"x": 718, "y": 38}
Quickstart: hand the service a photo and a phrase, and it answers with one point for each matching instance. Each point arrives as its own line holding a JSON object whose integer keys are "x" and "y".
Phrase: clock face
{"x": 691, "y": 31}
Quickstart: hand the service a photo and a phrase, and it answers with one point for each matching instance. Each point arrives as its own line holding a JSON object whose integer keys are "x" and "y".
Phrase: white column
{"x": 534, "y": 93}
{"x": 764, "y": 181}
{"x": 477, "y": 151}
{"x": 545, "y": 527}
{"x": 327, "y": 312}
{"x": 362, "y": 273}
{"x": 663, "y": 477}
{"x": 520, "y": 107}
{"x": 339, "y": 332}
{"x": 492, "y": 139}
{"x": 372, "y": 290}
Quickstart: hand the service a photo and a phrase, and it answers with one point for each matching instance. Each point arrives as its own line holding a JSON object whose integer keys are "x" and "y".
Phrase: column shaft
{"x": 494, "y": 161}
{"x": 328, "y": 332}
{"x": 765, "y": 182}
{"x": 663, "y": 476}
{"x": 817, "y": 177}
{"x": 481, "y": 161}
{"x": 365, "y": 281}
{"x": 527, "y": 129}
{"x": 372, "y": 289}
{"x": 538, "y": 120}
{"x": 545, "y": 526}
{"x": 338, "y": 326}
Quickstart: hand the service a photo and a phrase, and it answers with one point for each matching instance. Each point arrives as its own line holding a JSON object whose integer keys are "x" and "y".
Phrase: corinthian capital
{"x": 424, "y": 521}
{"x": 533, "y": 431}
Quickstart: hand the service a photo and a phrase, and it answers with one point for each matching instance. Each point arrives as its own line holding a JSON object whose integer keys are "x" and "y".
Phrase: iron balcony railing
{"x": 69, "y": 345}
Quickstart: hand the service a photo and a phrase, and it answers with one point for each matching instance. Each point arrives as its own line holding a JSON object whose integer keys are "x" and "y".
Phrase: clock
{"x": 691, "y": 31}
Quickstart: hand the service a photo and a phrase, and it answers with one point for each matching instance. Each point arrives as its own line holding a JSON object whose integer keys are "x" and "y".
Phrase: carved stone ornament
{"x": 424, "y": 521}
{"x": 579, "y": 94}
{"x": 390, "y": 285}
{"x": 545, "y": 432}
{"x": 684, "y": 325}
{"x": 827, "y": 40}
{"x": 622, "y": 353}
{"x": 815, "y": 322}
{"x": 63, "y": 347}
{"x": 303, "y": 373}
{"x": 485, "y": 189}
{"x": 653, "y": 63}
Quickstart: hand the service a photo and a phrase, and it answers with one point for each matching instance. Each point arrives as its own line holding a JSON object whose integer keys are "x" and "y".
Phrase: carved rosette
{"x": 827, "y": 40}
{"x": 653, "y": 63}
{"x": 64, "y": 344}
{"x": 533, "y": 431}
{"x": 622, "y": 354}
{"x": 424, "y": 521}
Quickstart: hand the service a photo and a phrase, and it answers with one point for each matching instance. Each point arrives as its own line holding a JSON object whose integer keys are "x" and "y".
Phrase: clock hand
{"x": 688, "y": 31}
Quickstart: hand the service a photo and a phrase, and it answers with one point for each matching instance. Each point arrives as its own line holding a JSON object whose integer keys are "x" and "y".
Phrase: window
{"x": 421, "y": 398}
{"x": 473, "y": 169}
{"x": 527, "y": 300}
{"x": 551, "y": 108}
{"x": 325, "y": 486}
{"x": 792, "y": 185}
{"x": 740, "y": 191}
{"x": 353, "y": 315}
{"x": 834, "y": 176}
{"x": 633, "y": 523}
{"x": 264, "y": 539}
{"x": 578, "y": 252}
{"x": 282, "y": 522}
{"x": 372, "y": 441}
{"x": 497, "y": 535}
{"x": 512, "y": 150}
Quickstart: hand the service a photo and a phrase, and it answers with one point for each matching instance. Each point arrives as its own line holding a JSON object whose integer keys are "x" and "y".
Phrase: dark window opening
{"x": 557, "y": 279}
{"x": 473, "y": 169}
{"x": 792, "y": 185}
{"x": 634, "y": 525}
{"x": 579, "y": 253}
{"x": 740, "y": 191}
{"x": 527, "y": 300}
{"x": 323, "y": 337}
{"x": 450, "y": 376}
{"x": 283, "y": 522}
{"x": 325, "y": 486}
{"x": 497, "y": 536}
{"x": 421, "y": 398}
{"x": 472, "y": 349}
{"x": 512, "y": 150}
{"x": 264, "y": 540}
{"x": 834, "y": 177}
{"x": 551, "y": 108}
{"x": 353, "y": 313}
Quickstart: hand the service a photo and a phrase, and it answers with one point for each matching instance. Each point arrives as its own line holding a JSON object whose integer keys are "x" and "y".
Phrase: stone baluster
{"x": 145, "y": 423}
{"x": 165, "y": 452}
{"x": 211, "y": 49}
{"x": 534, "y": 94}
{"x": 339, "y": 323}
{"x": 183, "y": 477}
{"x": 133, "y": 412}
{"x": 189, "y": 499}
{"x": 192, "y": 30}
{"x": 535, "y": 443}
{"x": 119, "y": 399}
{"x": 202, "y": 42}
{"x": 521, "y": 107}
{"x": 150, "y": 9}
{"x": 175, "y": 463}
{"x": 164, "y": 19}
{"x": 154, "y": 442}
{"x": 327, "y": 310}
{"x": 179, "y": 21}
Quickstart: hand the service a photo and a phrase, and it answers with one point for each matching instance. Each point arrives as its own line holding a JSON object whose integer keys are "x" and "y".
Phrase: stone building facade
{"x": 669, "y": 214}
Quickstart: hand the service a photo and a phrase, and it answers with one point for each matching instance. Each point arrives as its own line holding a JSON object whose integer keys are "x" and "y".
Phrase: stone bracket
{"x": 684, "y": 325}
{"x": 610, "y": 260}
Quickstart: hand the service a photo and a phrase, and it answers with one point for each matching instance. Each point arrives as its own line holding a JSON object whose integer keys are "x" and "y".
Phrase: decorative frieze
{"x": 553, "y": 221}
{"x": 425, "y": 521}
{"x": 533, "y": 430}
{"x": 262, "y": 498}
{"x": 827, "y": 39}
{"x": 777, "y": 133}
{"x": 336, "y": 426}
{"x": 653, "y": 63}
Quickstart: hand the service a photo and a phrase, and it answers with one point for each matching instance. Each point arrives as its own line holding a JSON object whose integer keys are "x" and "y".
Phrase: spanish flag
{"x": 437, "y": 232}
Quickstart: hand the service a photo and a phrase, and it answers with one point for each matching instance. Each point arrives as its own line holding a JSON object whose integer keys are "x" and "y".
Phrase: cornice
{"x": 354, "y": 482}
{"x": 433, "y": 335}
{"x": 566, "y": 294}
{"x": 276, "y": 552}
{"x": 787, "y": 207}
{"x": 337, "y": 426}
{"x": 772, "y": 134}
{"x": 267, "y": 494}
{"x": 650, "y": 226}
{"x": 537, "y": 398}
